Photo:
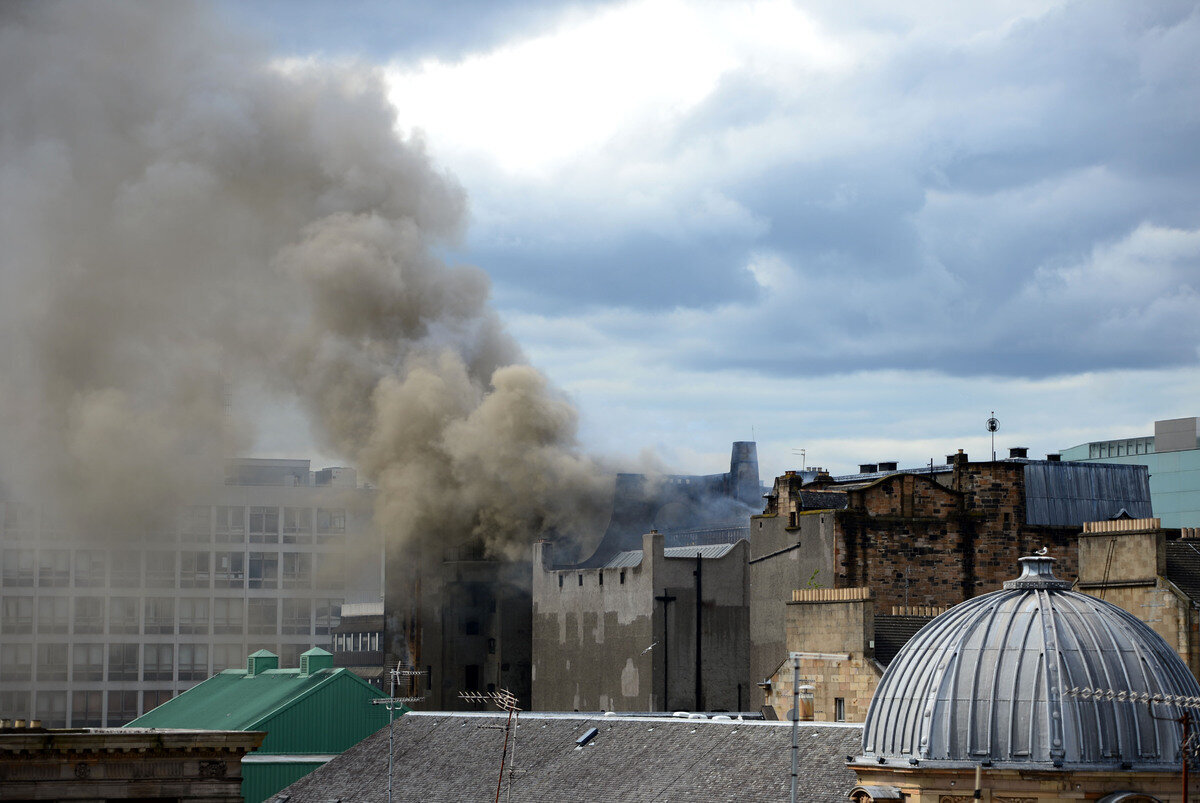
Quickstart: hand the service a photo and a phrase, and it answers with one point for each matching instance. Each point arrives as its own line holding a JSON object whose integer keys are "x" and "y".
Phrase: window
{"x": 193, "y": 616}
{"x": 297, "y": 525}
{"x": 793, "y": 517}
{"x": 122, "y": 662}
{"x": 19, "y": 517}
{"x": 581, "y": 581}
{"x": 54, "y": 615}
{"x": 122, "y": 708}
{"x": 622, "y": 577}
{"x": 16, "y": 662}
{"x": 227, "y": 656}
{"x": 18, "y": 568}
{"x": 195, "y": 526}
{"x": 331, "y": 571}
{"x": 262, "y": 616}
{"x": 16, "y": 615}
{"x": 124, "y": 615}
{"x": 158, "y": 662}
{"x": 231, "y": 525}
{"x": 126, "y": 569}
{"x": 329, "y": 616}
{"x": 264, "y": 525}
{"x": 160, "y": 615}
{"x": 839, "y": 709}
{"x": 54, "y": 568}
{"x": 89, "y": 614}
{"x": 297, "y": 570}
{"x": 601, "y": 578}
{"x": 331, "y": 520}
{"x": 289, "y": 654}
{"x": 15, "y": 705}
{"x": 87, "y": 709}
{"x": 264, "y": 570}
{"x": 560, "y": 581}
{"x": 153, "y": 699}
{"x": 90, "y": 568}
{"x": 297, "y": 617}
{"x": 87, "y": 662}
{"x": 471, "y": 677}
{"x": 194, "y": 568}
{"x": 229, "y": 617}
{"x": 160, "y": 570}
{"x": 231, "y": 570}
{"x": 52, "y": 708}
{"x": 52, "y": 662}
{"x": 193, "y": 662}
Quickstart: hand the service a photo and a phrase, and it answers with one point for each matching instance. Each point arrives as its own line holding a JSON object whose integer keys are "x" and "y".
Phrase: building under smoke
{"x": 99, "y": 627}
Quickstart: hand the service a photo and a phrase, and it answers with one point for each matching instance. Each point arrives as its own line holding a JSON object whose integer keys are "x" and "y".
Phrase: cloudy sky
{"x": 853, "y": 229}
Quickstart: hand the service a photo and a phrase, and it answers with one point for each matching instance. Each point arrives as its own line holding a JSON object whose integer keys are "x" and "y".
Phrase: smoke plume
{"x": 181, "y": 214}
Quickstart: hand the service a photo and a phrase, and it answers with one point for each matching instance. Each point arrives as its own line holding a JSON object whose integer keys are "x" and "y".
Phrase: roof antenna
{"x": 992, "y": 425}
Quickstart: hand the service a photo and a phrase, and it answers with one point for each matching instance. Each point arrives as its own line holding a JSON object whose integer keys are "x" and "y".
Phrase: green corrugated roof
{"x": 236, "y": 700}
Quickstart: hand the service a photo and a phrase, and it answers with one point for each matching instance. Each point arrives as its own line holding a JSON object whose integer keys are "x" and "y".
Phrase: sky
{"x": 854, "y": 230}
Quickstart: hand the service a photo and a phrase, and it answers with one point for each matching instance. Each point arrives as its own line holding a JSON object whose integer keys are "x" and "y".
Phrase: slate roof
{"x": 633, "y": 557}
{"x": 455, "y": 756}
{"x": 1183, "y": 567}
{"x": 893, "y": 632}
{"x": 822, "y": 500}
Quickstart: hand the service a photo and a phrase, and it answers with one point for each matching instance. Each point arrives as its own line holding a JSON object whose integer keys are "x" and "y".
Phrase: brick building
{"x": 932, "y": 536}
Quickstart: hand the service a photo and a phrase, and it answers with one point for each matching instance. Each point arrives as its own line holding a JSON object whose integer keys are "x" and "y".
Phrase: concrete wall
{"x": 782, "y": 559}
{"x": 593, "y": 631}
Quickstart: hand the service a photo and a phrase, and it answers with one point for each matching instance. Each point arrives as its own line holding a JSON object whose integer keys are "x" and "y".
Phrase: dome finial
{"x": 1037, "y": 571}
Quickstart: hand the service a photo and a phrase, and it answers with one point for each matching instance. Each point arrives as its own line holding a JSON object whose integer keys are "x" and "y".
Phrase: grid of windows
{"x": 77, "y": 637}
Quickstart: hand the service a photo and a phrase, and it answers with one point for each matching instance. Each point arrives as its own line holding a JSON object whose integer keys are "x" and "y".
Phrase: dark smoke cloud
{"x": 181, "y": 214}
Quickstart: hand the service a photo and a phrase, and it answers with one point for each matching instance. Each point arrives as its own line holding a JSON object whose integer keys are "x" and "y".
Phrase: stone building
{"x": 98, "y": 628}
{"x": 108, "y": 764}
{"x": 985, "y": 703}
{"x": 655, "y": 629}
{"x": 1149, "y": 571}
{"x": 842, "y": 647}
{"x": 923, "y": 537}
{"x": 465, "y": 617}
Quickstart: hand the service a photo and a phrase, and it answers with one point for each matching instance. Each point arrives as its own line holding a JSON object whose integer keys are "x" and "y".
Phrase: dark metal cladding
{"x": 987, "y": 681}
{"x": 1068, "y": 494}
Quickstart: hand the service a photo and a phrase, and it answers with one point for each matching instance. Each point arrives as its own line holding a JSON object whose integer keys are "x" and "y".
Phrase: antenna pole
{"x": 795, "y": 725}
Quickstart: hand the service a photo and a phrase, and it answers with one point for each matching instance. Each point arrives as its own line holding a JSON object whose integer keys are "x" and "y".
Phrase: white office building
{"x": 96, "y": 633}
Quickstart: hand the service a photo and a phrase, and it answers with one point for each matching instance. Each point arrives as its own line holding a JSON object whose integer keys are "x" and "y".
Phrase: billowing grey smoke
{"x": 180, "y": 213}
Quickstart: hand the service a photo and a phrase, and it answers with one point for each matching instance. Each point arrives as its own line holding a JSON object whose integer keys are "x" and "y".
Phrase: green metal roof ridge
{"x": 317, "y": 651}
{"x": 334, "y": 673}
{"x": 228, "y": 683}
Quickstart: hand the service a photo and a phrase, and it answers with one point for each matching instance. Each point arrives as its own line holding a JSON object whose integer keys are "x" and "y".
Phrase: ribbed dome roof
{"x": 986, "y": 681}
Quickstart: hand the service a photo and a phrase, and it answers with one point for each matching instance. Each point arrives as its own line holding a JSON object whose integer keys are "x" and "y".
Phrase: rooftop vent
{"x": 587, "y": 736}
{"x": 888, "y": 465}
{"x": 261, "y": 661}
{"x": 1018, "y": 452}
{"x": 867, "y": 468}
{"x": 1054, "y": 457}
{"x": 315, "y": 660}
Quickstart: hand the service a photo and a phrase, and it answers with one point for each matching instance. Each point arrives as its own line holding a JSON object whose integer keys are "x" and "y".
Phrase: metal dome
{"x": 986, "y": 682}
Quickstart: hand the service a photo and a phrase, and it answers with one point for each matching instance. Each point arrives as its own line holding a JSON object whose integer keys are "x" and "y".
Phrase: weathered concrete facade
{"x": 623, "y": 636}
